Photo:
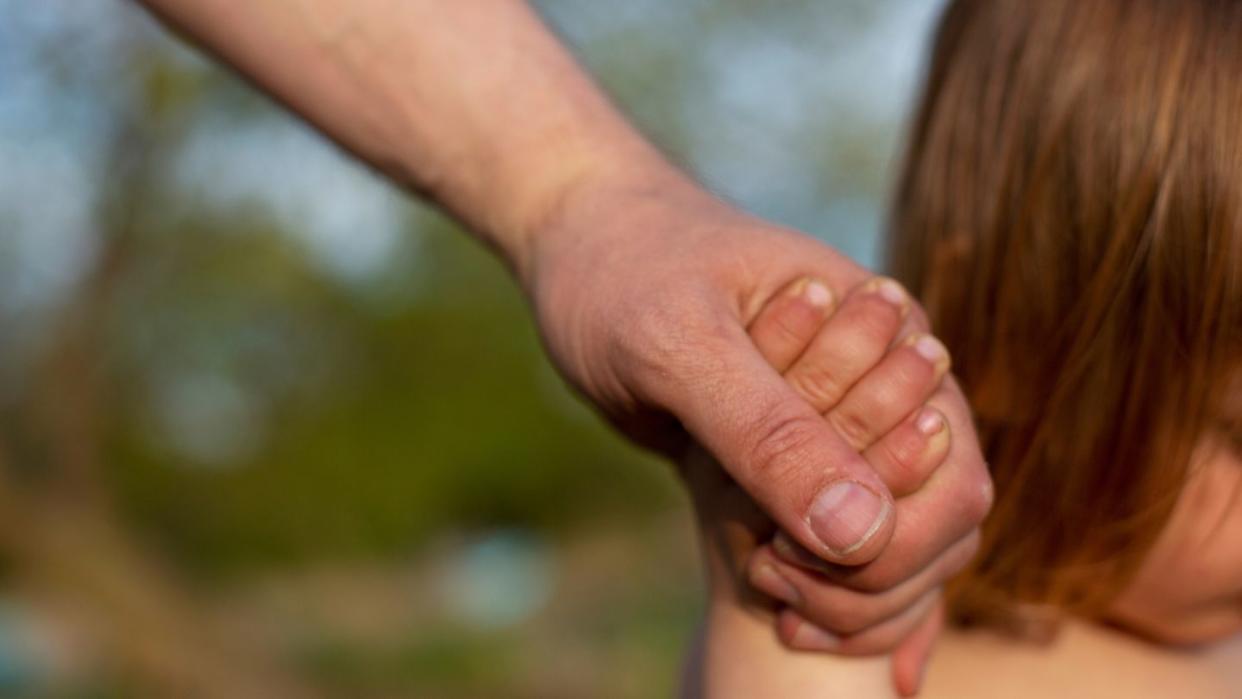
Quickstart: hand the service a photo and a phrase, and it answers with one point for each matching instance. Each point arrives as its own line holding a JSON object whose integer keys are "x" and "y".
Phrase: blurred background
{"x": 268, "y": 426}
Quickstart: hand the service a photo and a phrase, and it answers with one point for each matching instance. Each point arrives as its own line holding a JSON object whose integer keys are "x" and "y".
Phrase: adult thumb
{"x": 791, "y": 460}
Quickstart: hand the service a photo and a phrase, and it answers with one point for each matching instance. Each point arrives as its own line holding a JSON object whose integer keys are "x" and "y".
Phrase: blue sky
{"x": 756, "y": 96}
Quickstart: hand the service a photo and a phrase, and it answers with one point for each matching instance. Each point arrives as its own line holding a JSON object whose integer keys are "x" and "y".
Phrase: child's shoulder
{"x": 1083, "y": 661}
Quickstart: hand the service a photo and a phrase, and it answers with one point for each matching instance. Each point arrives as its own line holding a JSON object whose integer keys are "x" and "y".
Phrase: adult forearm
{"x": 472, "y": 103}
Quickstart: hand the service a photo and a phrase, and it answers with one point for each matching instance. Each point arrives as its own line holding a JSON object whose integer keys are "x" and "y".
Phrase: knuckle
{"x": 782, "y": 436}
{"x": 897, "y": 452}
{"x": 911, "y": 374}
{"x": 667, "y": 343}
{"x": 643, "y": 333}
{"x": 970, "y": 495}
{"x": 979, "y": 500}
{"x": 904, "y": 451}
{"x": 789, "y": 328}
{"x": 876, "y": 320}
{"x": 987, "y": 494}
{"x": 817, "y": 384}
{"x": 852, "y": 426}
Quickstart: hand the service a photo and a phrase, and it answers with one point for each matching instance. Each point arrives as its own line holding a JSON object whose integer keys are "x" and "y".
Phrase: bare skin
{"x": 1174, "y": 631}
{"x": 1085, "y": 660}
{"x": 643, "y": 284}
{"x": 878, "y": 395}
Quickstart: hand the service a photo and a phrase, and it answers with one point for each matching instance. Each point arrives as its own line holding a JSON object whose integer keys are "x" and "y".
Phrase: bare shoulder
{"x": 740, "y": 656}
{"x": 1086, "y": 660}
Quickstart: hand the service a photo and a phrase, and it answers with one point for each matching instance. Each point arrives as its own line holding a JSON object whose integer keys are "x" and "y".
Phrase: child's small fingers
{"x": 851, "y": 342}
{"x": 887, "y": 394}
{"x": 798, "y": 633}
{"x": 916, "y": 322}
{"x": 789, "y": 321}
{"x": 906, "y": 456}
{"x": 911, "y": 656}
{"x": 822, "y": 599}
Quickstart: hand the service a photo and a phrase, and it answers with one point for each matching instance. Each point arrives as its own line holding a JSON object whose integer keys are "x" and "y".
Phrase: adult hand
{"x": 644, "y": 295}
{"x": 889, "y": 391}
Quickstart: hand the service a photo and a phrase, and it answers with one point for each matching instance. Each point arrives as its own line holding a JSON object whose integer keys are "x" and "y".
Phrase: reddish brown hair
{"x": 1070, "y": 213}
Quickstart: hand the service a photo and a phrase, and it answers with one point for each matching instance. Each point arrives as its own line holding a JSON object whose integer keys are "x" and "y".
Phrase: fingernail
{"x": 889, "y": 291}
{"x": 769, "y": 581}
{"x": 811, "y": 637}
{"x": 929, "y": 422}
{"x": 817, "y": 294}
{"x": 846, "y": 516}
{"x": 932, "y": 350}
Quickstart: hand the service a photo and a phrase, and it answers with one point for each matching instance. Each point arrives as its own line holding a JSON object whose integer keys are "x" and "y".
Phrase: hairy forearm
{"x": 472, "y": 103}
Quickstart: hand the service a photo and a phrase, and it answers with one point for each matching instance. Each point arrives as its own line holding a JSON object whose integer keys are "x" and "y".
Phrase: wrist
{"x": 578, "y": 197}
{"x": 622, "y": 197}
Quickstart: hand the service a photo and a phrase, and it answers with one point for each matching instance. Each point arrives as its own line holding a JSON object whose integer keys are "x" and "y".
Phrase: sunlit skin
{"x": 1188, "y": 591}
{"x": 877, "y": 386}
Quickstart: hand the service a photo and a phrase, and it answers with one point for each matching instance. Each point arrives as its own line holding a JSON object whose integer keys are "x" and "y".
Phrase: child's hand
{"x": 858, "y": 363}
{"x": 854, "y": 364}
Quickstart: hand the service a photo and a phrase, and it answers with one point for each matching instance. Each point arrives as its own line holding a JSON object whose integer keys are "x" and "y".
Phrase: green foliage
{"x": 447, "y": 661}
{"x": 388, "y": 415}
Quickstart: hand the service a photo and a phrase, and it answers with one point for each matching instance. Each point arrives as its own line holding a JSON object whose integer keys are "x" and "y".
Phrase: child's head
{"x": 1071, "y": 216}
